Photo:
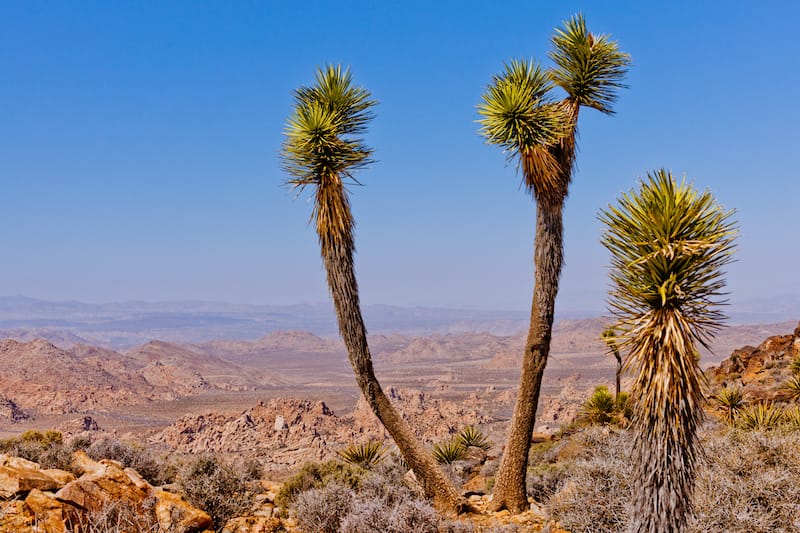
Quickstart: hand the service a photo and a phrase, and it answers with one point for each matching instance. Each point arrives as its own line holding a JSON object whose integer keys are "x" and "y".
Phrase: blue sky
{"x": 139, "y": 144}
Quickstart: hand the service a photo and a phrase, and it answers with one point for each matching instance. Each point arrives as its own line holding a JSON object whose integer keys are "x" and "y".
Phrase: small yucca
{"x": 794, "y": 366}
{"x": 731, "y": 400}
{"x": 600, "y": 408}
{"x": 761, "y": 416}
{"x": 791, "y": 418}
{"x": 365, "y": 455}
{"x": 793, "y": 387}
{"x": 471, "y": 436}
{"x": 449, "y": 451}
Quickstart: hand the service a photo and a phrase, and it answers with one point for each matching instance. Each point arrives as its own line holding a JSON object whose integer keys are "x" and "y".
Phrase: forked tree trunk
{"x": 509, "y": 492}
{"x": 338, "y": 259}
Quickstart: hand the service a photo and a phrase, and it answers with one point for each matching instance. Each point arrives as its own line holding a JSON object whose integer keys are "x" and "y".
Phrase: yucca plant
{"x": 792, "y": 387}
{"x": 761, "y": 416}
{"x": 791, "y": 418}
{"x": 624, "y": 408}
{"x": 449, "y": 451}
{"x": 668, "y": 244}
{"x": 519, "y": 115}
{"x": 794, "y": 366}
{"x": 600, "y": 408}
{"x": 471, "y": 436}
{"x": 322, "y": 150}
{"x": 366, "y": 455}
{"x": 731, "y": 400}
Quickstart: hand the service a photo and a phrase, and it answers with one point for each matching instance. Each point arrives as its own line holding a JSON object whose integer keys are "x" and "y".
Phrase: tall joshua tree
{"x": 668, "y": 244}
{"x": 539, "y": 132}
{"x": 321, "y": 151}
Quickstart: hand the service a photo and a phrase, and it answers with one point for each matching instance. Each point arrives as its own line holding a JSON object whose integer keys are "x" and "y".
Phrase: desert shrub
{"x": 794, "y": 366}
{"x": 593, "y": 486}
{"x": 413, "y": 516}
{"x": 325, "y": 508}
{"x": 317, "y": 475}
{"x": 366, "y": 516}
{"x": 748, "y": 483}
{"x": 46, "y": 448}
{"x": 471, "y": 436}
{"x": 252, "y": 469}
{"x": 365, "y": 455}
{"x": 387, "y": 485}
{"x": 761, "y": 416}
{"x": 118, "y": 517}
{"x": 133, "y": 456}
{"x": 449, "y": 451}
{"x": 216, "y": 487}
{"x": 543, "y": 480}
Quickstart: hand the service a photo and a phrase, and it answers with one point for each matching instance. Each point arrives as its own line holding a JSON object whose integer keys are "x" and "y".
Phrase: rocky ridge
{"x": 760, "y": 371}
{"x": 288, "y": 432}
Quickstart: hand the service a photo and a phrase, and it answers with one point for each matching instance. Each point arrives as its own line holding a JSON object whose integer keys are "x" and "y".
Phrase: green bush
{"x": 134, "y": 456}
{"x": 45, "y": 448}
{"x": 316, "y": 476}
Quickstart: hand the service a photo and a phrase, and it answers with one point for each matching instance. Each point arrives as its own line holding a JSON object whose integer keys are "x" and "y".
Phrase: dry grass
{"x": 746, "y": 482}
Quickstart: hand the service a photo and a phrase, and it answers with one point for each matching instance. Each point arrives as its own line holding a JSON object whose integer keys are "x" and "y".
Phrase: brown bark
{"x": 618, "y": 376}
{"x": 509, "y": 492}
{"x": 337, "y": 254}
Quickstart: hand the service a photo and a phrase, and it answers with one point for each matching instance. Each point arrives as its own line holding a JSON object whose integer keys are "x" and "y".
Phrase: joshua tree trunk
{"x": 509, "y": 492}
{"x": 337, "y": 254}
{"x": 548, "y": 257}
{"x": 618, "y": 376}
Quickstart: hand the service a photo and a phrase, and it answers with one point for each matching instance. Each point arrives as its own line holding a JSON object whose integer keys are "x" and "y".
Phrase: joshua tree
{"x": 610, "y": 338}
{"x": 321, "y": 151}
{"x": 668, "y": 244}
{"x": 540, "y": 133}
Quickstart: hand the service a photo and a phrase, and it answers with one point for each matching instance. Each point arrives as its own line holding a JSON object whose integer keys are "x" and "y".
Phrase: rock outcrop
{"x": 33, "y": 499}
{"x": 287, "y": 432}
{"x": 760, "y": 371}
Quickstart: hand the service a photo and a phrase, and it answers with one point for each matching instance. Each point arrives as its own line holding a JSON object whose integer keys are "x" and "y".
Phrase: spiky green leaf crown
{"x": 516, "y": 113}
{"x": 322, "y": 131}
{"x": 590, "y": 68}
{"x": 668, "y": 244}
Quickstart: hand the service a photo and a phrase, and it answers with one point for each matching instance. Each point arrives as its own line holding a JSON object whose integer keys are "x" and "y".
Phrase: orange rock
{"x": 175, "y": 514}
{"x": 14, "y": 480}
{"x": 48, "y": 511}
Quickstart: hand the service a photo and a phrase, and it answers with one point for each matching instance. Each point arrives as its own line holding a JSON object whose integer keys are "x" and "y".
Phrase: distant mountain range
{"x": 123, "y": 325}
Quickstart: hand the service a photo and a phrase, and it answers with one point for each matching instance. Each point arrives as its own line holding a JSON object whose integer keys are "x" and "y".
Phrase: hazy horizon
{"x": 140, "y": 142}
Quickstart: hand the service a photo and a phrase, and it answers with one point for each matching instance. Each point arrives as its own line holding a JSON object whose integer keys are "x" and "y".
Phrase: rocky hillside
{"x": 40, "y": 377}
{"x": 760, "y": 370}
{"x": 289, "y": 431}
